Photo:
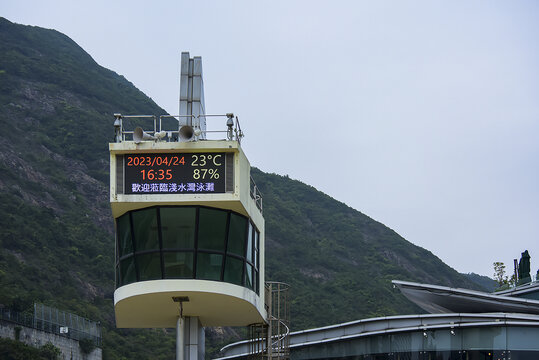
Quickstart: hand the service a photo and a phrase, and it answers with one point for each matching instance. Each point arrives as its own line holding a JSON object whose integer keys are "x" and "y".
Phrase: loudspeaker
{"x": 186, "y": 133}
{"x": 140, "y": 135}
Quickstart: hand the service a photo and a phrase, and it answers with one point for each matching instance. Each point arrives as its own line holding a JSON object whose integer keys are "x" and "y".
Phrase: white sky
{"x": 423, "y": 115}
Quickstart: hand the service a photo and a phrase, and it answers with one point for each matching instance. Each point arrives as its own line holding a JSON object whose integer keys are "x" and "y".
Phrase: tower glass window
{"x": 178, "y": 265}
{"x": 233, "y": 270}
{"x": 187, "y": 242}
{"x": 236, "y": 235}
{"x": 209, "y": 266}
{"x": 178, "y": 227}
{"x": 128, "y": 272}
{"x": 145, "y": 229}
{"x": 149, "y": 266}
{"x": 250, "y": 243}
{"x": 124, "y": 229}
{"x": 212, "y": 229}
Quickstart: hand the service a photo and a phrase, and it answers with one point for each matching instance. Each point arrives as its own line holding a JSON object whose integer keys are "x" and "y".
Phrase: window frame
{"x": 254, "y": 256}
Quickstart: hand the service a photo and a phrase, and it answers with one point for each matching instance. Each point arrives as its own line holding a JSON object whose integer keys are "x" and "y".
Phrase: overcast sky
{"x": 424, "y": 115}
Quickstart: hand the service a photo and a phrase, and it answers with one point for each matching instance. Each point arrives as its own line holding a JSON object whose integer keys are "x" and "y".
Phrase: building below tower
{"x": 462, "y": 325}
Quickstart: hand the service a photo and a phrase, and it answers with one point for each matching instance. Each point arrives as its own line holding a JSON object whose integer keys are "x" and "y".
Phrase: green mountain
{"x": 483, "y": 282}
{"x": 57, "y": 244}
{"x": 57, "y": 247}
{"x": 339, "y": 262}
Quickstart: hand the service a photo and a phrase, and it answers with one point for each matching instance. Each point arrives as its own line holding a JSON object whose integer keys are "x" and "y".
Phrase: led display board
{"x": 174, "y": 173}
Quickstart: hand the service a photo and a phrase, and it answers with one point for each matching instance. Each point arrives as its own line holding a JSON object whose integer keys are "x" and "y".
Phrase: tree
{"x": 50, "y": 352}
{"x": 86, "y": 346}
{"x": 499, "y": 273}
{"x": 513, "y": 280}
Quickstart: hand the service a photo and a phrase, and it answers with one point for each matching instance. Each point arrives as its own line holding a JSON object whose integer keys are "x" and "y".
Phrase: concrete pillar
{"x": 190, "y": 346}
{"x": 180, "y": 344}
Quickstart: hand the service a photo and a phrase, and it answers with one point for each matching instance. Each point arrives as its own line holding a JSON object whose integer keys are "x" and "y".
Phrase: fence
{"x": 57, "y": 322}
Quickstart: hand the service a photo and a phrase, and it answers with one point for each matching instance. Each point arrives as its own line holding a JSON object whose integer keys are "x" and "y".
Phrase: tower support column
{"x": 180, "y": 335}
{"x": 190, "y": 339}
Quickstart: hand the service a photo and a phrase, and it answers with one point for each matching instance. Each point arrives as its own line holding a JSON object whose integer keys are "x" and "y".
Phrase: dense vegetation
{"x": 484, "y": 282}
{"x": 57, "y": 246}
{"x": 339, "y": 261}
{"x": 16, "y": 350}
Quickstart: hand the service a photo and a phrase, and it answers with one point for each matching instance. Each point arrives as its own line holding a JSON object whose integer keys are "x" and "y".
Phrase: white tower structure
{"x": 189, "y": 223}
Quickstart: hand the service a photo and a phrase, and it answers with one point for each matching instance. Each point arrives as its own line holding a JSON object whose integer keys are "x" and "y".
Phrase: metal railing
{"x": 256, "y": 195}
{"x": 232, "y": 132}
{"x": 271, "y": 340}
{"x": 24, "y": 319}
{"x": 55, "y": 321}
{"x": 66, "y": 324}
{"x": 278, "y": 320}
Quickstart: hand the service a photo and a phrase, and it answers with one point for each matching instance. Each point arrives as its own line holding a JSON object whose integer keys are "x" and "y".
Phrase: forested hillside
{"x": 339, "y": 261}
{"x": 57, "y": 245}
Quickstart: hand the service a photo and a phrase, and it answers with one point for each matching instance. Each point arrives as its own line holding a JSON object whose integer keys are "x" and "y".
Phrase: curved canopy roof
{"x": 443, "y": 299}
{"x": 370, "y": 328}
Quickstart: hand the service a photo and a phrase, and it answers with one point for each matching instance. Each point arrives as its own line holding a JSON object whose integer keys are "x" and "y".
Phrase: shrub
{"x": 86, "y": 346}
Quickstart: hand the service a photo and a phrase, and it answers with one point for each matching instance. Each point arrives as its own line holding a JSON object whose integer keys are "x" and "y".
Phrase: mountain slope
{"x": 484, "y": 282}
{"x": 57, "y": 244}
{"x": 339, "y": 259}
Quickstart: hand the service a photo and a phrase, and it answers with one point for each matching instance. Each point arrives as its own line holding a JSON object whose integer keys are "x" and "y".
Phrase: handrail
{"x": 282, "y": 337}
{"x": 233, "y": 131}
{"x": 256, "y": 195}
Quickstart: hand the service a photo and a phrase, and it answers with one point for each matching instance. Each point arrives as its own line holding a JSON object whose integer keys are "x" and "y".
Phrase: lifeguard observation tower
{"x": 189, "y": 224}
